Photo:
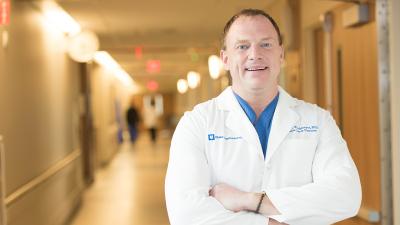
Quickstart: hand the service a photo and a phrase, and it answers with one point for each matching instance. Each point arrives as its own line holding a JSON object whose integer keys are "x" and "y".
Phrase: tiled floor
{"x": 130, "y": 191}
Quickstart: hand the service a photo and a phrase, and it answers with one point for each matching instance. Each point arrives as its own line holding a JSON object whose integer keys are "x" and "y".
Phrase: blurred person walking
{"x": 151, "y": 119}
{"x": 132, "y": 117}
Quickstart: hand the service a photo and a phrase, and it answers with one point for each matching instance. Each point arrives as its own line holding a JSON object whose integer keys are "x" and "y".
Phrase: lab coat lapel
{"x": 240, "y": 124}
{"x": 284, "y": 119}
{"x": 237, "y": 120}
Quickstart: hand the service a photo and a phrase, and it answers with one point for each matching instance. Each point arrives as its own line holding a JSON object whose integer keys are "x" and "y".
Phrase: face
{"x": 253, "y": 54}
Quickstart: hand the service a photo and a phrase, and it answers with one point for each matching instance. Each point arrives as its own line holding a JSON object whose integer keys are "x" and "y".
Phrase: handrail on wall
{"x": 2, "y": 184}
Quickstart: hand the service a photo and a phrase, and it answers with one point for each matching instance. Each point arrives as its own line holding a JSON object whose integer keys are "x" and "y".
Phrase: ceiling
{"x": 181, "y": 34}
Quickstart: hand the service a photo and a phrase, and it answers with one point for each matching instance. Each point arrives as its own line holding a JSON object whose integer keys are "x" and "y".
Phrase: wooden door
{"x": 86, "y": 126}
{"x": 355, "y": 102}
{"x": 320, "y": 78}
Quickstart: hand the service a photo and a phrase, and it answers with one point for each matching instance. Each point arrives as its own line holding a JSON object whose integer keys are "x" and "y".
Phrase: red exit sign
{"x": 153, "y": 66}
{"x": 4, "y": 12}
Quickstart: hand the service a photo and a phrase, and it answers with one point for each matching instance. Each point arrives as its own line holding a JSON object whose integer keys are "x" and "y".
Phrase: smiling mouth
{"x": 256, "y": 68}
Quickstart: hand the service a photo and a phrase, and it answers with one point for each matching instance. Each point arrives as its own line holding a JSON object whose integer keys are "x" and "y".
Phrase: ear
{"x": 224, "y": 58}
{"x": 282, "y": 55}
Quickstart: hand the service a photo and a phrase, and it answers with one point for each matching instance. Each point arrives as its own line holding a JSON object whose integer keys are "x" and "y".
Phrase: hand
{"x": 231, "y": 198}
{"x": 236, "y": 200}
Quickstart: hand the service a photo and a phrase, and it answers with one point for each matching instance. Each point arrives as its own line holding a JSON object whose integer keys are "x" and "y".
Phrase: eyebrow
{"x": 246, "y": 41}
{"x": 268, "y": 38}
{"x": 241, "y": 42}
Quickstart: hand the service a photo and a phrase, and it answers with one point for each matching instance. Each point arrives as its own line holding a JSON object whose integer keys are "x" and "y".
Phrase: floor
{"x": 130, "y": 190}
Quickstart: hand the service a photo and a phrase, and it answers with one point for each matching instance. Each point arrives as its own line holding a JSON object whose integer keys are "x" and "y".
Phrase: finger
{"x": 211, "y": 192}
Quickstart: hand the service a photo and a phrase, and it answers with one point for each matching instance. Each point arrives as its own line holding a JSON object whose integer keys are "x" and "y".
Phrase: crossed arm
{"x": 188, "y": 182}
{"x": 236, "y": 201}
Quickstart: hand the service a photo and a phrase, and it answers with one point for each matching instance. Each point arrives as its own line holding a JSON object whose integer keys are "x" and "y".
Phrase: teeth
{"x": 255, "y": 69}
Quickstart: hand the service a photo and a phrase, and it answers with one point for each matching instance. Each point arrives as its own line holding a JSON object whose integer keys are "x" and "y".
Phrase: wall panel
{"x": 39, "y": 118}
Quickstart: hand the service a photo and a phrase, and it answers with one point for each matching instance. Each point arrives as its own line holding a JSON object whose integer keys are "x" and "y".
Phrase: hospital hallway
{"x": 93, "y": 91}
{"x": 129, "y": 190}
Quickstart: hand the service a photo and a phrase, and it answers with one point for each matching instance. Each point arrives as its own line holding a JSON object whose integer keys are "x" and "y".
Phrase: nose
{"x": 254, "y": 53}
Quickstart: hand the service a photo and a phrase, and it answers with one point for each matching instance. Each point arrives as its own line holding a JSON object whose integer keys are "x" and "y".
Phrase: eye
{"x": 242, "y": 47}
{"x": 266, "y": 45}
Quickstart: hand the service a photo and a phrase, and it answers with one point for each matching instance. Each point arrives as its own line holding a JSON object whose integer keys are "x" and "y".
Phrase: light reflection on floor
{"x": 130, "y": 190}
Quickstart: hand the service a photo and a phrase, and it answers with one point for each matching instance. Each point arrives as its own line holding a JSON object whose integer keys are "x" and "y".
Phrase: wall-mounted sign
{"x": 153, "y": 66}
{"x": 138, "y": 52}
{"x": 152, "y": 85}
{"x": 4, "y": 12}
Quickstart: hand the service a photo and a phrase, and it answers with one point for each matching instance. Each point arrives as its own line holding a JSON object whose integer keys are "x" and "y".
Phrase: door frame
{"x": 3, "y": 215}
{"x": 86, "y": 126}
{"x": 394, "y": 6}
{"x": 382, "y": 15}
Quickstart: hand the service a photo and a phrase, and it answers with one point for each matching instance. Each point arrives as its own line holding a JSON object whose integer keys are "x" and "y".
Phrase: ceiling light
{"x": 105, "y": 59}
{"x": 182, "y": 86}
{"x": 124, "y": 77}
{"x": 193, "y": 79}
{"x": 83, "y": 46}
{"x": 59, "y": 18}
{"x": 214, "y": 66}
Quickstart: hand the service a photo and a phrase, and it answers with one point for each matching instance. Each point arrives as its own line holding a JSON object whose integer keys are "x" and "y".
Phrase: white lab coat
{"x": 150, "y": 116}
{"x": 308, "y": 173}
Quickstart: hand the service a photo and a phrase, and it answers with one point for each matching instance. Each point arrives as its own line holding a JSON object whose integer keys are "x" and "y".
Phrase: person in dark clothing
{"x": 151, "y": 120}
{"x": 132, "y": 117}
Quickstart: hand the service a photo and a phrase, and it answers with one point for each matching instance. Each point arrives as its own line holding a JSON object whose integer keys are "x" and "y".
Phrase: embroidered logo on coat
{"x": 303, "y": 129}
{"x": 212, "y": 137}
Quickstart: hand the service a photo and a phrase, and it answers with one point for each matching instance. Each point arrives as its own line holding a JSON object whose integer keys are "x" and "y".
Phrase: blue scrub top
{"x": 263, "y": 123}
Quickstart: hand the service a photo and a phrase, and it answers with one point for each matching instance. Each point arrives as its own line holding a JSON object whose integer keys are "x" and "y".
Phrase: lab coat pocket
{"x": 230, "y": 161}
{"x": 296, "y": 156}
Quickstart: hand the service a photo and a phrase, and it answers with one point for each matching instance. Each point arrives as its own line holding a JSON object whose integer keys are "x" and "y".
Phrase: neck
{"x": 258, "y": 99}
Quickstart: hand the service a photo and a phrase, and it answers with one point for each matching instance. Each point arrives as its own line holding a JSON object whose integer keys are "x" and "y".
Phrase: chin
{"x": 258, "y": 87}
{"x": 259, "y": 84}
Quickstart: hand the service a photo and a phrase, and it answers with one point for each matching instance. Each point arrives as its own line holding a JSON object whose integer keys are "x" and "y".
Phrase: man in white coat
{"x": 255, "y": 155}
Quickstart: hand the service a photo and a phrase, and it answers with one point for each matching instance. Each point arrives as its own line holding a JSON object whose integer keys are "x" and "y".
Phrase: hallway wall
{"x": 310, "y": 12}
{"x": 2, "y": 70}
{"x": 108, "y": 93}
{"x": 39, "y": 121}
{"x": 207, "y": 89}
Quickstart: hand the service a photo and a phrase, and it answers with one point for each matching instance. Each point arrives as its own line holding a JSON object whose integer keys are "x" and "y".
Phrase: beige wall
{"x": 39, "y": 119}
{"x": 395, "y": 102}
{"x": 107, "y": 90}
{"x": 2, "y": 70}
{"x": 286, "y": 14}
{"x": 282, "y": 14}
{"x": 186, "y": 101}
{"x": 208, "y": 89}
{"x": 310, "y": 11}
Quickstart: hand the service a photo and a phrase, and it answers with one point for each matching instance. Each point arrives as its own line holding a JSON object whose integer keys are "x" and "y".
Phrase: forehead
{"x": 251, "y": 27}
